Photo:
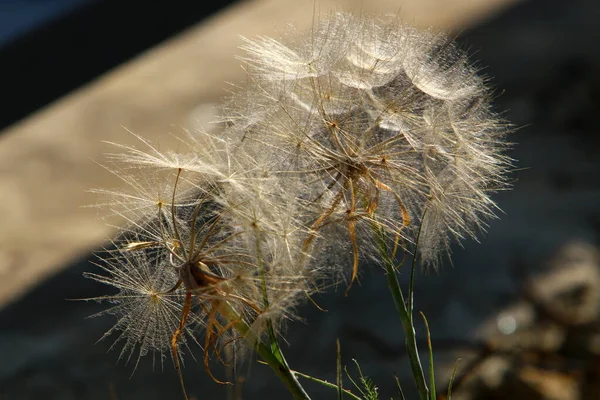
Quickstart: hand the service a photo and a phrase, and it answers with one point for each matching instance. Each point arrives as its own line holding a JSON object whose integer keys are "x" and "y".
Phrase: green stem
{"x": 413, "y": 268}
{"x": 283, "y": 371}
{"x": 275, "y": 349}
{"x": 409, "y": 331}
{"x": 327, "y": 384}
{"x": 405, "y": 316}
{"x": 274, "y": 359}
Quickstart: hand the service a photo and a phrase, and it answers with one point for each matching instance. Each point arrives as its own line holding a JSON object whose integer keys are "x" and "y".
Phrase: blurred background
{"x": 520, "y": 309}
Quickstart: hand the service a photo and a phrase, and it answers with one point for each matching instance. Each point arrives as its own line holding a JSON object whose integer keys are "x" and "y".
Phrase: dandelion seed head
{"x": 391, "y": 127}
{"x": 202, "y": 250}
{"x": 361, "y": 129}
{"x": 146, "y": 314}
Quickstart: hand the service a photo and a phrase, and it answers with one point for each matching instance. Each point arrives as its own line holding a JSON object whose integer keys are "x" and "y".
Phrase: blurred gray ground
{"x": 541, "y": 55}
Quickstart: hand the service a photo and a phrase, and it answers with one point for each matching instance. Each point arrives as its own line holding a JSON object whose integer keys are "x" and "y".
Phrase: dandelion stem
{"x": 274, "y": 359}
{"x": 275, "y": 350}
{"x": 279, "y": 365}
{"x": 404, "y": 313}
{"x": 413, "y": 268}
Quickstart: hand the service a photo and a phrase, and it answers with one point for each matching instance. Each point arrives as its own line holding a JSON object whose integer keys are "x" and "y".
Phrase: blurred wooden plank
{"x": 46, "y": 161}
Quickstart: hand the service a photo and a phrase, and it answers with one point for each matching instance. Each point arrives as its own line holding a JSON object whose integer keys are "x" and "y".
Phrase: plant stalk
{"x": 409, "y": 332}
{"x": 276, "y": 361}
{"x": 405, "y": 316}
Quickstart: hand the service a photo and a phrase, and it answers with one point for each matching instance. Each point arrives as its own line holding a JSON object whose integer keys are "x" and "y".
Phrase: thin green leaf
{"x": 452, "y": 379}
{"x": 432, "y": 393}
{"x": 356, "y": 385}
{"x": 370, "y": 391}
{"x": 399, "y": 387}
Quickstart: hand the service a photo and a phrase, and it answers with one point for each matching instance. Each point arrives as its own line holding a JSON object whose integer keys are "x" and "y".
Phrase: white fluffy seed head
{"x": 147, "y": 316}
{"x": 362, "y": 125}
{"x": 209, "y": 222}
{"x": 376, "y": 124}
